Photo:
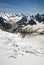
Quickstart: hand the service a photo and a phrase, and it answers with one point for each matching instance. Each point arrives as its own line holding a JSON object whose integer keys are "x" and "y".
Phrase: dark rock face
{"x": 7, "y": 26}
{"x": 32, "y": 22}
{"x": 22, "y": 21}
{"x": 2, "y": 21}
{"x": 4, "y": 24}
{"x": 42, "y": 18}
{"x": 39, "y": 18}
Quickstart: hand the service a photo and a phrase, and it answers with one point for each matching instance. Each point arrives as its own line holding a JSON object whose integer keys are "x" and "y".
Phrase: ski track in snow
{"x": 14, "y": 46}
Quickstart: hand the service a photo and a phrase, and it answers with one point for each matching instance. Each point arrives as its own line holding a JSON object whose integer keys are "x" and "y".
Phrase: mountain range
{"x": 22, "y": 23}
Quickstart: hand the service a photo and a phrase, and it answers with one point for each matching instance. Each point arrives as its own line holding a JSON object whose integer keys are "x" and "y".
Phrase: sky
{"x": 22, "y": 6}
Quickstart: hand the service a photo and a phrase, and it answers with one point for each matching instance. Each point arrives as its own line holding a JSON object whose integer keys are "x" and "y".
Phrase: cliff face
{"x": 4, "y": 25}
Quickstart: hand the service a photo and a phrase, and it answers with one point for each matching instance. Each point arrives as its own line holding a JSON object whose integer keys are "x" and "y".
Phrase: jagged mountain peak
{"x": 16, "y": 22}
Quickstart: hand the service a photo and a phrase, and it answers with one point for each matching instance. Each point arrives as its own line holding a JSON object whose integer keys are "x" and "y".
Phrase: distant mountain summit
{"x": 21, "y": 23}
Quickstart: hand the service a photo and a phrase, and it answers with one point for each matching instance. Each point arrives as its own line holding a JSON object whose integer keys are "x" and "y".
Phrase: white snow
{"x": 15, "y": 50}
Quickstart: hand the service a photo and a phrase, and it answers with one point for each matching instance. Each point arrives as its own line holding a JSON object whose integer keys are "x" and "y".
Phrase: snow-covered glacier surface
{"x": 15, "y": 50}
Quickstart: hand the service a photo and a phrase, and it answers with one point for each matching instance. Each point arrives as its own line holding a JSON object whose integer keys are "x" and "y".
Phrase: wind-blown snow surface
{"x": 15, "y": 50}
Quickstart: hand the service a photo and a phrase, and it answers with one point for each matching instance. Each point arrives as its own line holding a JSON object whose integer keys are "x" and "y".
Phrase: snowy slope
{"x": 17, "y": 50}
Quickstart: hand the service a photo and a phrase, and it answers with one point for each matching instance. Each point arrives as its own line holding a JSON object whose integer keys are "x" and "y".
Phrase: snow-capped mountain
{"x": 26, "y": 45}
{"x": 21, "y": 23}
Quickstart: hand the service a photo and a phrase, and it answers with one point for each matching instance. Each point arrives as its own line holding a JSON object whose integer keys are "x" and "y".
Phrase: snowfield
{"x": 15, "y": 50}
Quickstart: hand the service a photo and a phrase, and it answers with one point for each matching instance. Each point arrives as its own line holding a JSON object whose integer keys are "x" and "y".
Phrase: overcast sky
{"x": 22, "y": 6}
